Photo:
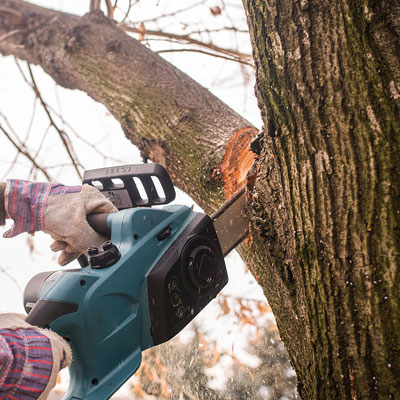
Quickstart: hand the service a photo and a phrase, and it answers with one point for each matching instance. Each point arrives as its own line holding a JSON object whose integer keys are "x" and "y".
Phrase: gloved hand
{"x": 30, "y": 357}
{"x": 59, "y": 211}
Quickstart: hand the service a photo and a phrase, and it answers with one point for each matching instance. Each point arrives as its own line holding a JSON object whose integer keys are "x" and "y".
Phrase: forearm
{"x": 2, "y": 205}
{"x": 30, "y": 359}
{"x": 57, "y": 210}
{"x": 26, "y": 363}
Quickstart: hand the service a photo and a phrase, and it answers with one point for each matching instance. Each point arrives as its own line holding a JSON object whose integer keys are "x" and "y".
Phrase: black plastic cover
{"x": 46, "y": 311}
{"x": 186, "y": 278}
{"x": 32, "y": 289}
{"x": 119, "y": 185}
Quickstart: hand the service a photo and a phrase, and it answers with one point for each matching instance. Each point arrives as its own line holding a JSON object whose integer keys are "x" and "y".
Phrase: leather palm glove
{"x": 57, "y": 210}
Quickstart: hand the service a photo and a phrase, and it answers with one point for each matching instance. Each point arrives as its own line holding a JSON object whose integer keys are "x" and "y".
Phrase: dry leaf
{"x": 263, "y": 308}
{"x": 142, "y": 31}
{"x": 215, "y": 11}
{"x": 224, "y": 306}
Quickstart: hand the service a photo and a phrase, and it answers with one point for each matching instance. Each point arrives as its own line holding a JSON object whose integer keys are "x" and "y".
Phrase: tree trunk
{"x": 325, "y": 209}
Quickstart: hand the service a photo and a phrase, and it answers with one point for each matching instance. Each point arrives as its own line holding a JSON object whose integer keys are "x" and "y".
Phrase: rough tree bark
{"x": 328, "y": 81}
{"x": 325, "y": 208}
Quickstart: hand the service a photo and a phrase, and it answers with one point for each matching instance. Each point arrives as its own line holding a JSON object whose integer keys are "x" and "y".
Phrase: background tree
{"x": 177, "y": 371}
{"x": 272, "y": 378}
{"x": 186, "y": 370}
{"x": 324, "y": 192}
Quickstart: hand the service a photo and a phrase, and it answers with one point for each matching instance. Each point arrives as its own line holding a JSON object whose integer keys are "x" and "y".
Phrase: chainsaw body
{"x": 162, "y": 268}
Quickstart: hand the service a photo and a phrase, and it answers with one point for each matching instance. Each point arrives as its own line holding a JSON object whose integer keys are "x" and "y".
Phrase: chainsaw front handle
{"x": 99, "y": 223}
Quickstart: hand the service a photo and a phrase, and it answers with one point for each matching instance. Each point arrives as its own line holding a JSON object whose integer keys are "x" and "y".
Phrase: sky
{"x": 25, "y": 256}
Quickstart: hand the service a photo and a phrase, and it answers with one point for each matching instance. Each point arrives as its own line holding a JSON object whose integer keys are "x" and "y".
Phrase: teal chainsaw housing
{"x": 169, "y": 267}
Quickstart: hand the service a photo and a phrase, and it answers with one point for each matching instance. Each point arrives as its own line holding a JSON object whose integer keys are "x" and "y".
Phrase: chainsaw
{"x": 160, "y": 267}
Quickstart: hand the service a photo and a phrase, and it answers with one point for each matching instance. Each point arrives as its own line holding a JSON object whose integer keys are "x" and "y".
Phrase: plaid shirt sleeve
{"x": 26, "y": 363}
{"x": 2, "y": 205}
{"x": 27, "y": 203}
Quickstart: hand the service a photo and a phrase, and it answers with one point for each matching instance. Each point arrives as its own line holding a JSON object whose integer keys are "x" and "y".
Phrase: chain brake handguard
{"x": 135, "y": 185}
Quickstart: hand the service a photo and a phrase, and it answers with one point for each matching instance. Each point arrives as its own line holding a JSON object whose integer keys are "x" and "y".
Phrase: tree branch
{"x": 208, "y": 53}
{"x": 110, "y": 9}
{"x": 5, "y": 272}
{"x": 167, "y": 15}
{"x": 126, "y": 13}
{"x": 236, "y": 55}
{"x": 63, "y": 136}
{"x": 25, "y": 153}
{"x": 9, "y": 34}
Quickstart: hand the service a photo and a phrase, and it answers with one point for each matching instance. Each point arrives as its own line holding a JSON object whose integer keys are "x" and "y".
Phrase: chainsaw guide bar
{"x": 231, "y": 222}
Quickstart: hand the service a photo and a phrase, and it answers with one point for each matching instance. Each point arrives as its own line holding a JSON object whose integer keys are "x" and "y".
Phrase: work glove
{"x": 59, "y": 211}
{"x": 31, "y": 358}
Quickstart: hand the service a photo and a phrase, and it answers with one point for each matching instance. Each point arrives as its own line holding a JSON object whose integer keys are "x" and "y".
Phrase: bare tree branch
{"x": 5, "y": 272}
{"x": 127, "y": 11}
{"x": 25, "y": 153}
{"x": 110, "y": 9}
{"x": 167, "y": 15}
{"x": 237, "y": 56}
{"x": 95, "y": 5}
{"x": 8, "y": 34}
{"x": 50, "y": 109}
{"x": 63, "y": 136}
{"x": 206, "y": 53}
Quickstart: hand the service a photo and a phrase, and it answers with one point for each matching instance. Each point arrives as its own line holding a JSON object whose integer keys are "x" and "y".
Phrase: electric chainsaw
{"x": 159, "y": 269}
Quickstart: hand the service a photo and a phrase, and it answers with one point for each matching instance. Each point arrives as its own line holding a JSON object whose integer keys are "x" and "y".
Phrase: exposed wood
{"x": 238, "y": 159}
